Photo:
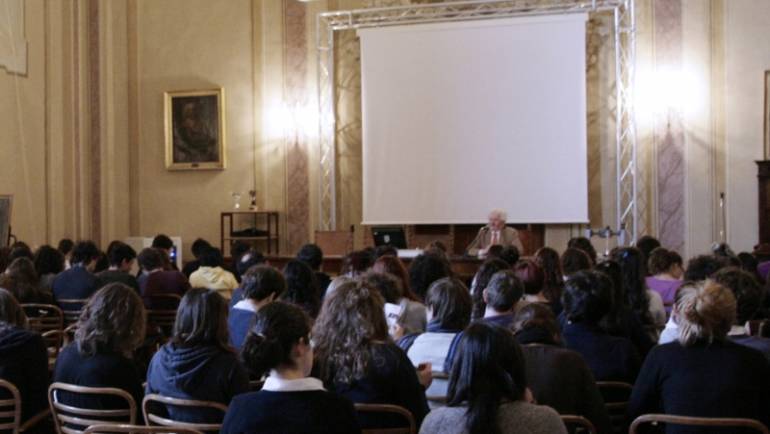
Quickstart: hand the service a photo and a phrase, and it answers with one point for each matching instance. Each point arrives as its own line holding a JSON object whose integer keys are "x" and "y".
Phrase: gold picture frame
{"x": 767, "y": 115}
{"x": 194, "y": 123}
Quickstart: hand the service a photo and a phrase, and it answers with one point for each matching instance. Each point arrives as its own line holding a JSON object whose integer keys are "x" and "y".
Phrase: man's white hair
{"x": 499, "y": 213}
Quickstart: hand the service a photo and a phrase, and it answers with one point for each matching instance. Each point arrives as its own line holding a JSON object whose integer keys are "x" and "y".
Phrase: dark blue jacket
{"x": 24, "y": 362}
{"x": 206, "y": 373}
{"x": 239, "y": 323}
{"x": 304, "y": 412}
{"x": 720, "y": 379}
{"x": 610, "y": 358}
{"x": 75, "y": 283}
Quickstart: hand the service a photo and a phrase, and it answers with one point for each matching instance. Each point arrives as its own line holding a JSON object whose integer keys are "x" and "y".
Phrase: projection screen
{"x": 461, "y": 118}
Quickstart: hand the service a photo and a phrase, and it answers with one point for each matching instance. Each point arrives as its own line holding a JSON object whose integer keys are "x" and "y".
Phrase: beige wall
{"x": 81, "y": 134}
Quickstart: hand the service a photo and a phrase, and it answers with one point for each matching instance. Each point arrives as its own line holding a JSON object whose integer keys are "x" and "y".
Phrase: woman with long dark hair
{"x": 290, "y": 400}
{"x": 647, "y": 305}
{"x": 553, "y": 277}
{"x": 480, "y": 282}
{"x": 488, "y": 390}
{"x": 301, "y": 287}
{"x": 198, "y": 362}
{"x": 21, "y": 279}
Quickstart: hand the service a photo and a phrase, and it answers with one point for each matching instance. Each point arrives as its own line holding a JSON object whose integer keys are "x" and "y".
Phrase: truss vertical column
{"x": 627, "y": 167}
{"x": 326, "y": 125}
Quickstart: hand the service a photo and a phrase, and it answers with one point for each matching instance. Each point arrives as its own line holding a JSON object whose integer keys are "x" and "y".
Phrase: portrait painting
{"x": 195, "y": 130}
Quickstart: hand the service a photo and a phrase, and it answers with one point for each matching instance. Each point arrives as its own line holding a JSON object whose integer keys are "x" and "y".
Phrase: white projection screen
{"x": 461, "y": 118}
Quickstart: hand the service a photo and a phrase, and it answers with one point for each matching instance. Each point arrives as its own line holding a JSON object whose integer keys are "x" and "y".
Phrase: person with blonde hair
{"x": 703, "y": 373}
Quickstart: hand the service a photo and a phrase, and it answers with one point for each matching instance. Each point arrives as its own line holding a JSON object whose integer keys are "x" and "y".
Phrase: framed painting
{"x": 767, "y": 115}
{"x": 195, "y": 129}
{"x": 6, "y": 207}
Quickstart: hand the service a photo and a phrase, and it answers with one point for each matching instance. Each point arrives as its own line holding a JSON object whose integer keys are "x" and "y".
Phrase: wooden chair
{"x": 66, "y": 416}
{"x": 335, "y": 242}
{"x": 578, "y": 424}
{"x": 71, "y": 313}
{"x": 10, "y": 411}
{"x": 68, "y": 335}
{"x": 750, "y": 424}
{"x": 162, "y": 320}
{"x": 152, "y": 418}
{"x": 411, "y": 427}
{"x": 616, "y": 395}
{"x": 109, "y": 429}
{"x": 54, "y": 340}
{"x": 44, "y": 317}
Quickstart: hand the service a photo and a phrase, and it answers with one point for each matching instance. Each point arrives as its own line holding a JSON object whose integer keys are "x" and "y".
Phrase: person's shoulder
{"x": 539, "y": 418}
{"x": 440, "y": 419}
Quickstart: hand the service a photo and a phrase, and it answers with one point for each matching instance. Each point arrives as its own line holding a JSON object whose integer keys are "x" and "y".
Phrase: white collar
{"x": 245, "y": 305}
{"x": 275, "y": 384}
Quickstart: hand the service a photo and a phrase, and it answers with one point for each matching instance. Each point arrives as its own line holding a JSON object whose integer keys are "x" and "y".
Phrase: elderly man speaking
{"x": 494, "y": 233}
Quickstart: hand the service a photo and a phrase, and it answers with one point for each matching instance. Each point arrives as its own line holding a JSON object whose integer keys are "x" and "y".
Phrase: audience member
{"x": 449, "y": 311}
{"x": 384, "y": 250}
{"x": 356, "y": 263}
{"x": 65, "y": 246}
{"x": 703, "y": 373}
{"x": 48, "y": 263}
{"x": 198, "y": 363}
{"x": 237, "y": 250}
{"x": 393, "y": 265}
{"x": 212, "y": 275}
{"x": 22, "y": 281}
{"x": 426, "y": 269}
{"x": 574, "y": 260}
{"x": 164, "y": 243}
{"x": 290, "y": 400}
{"x": 762, "y": 254}
{"x": 413, "y": 317}
{"x": 23, "y": 357}
{"x": 356, "y": 359}
{"x": 587, "y": 299}
{"x": 646, "y": 304}
{"x": 20, "y": 249}
{"x": 502, "y": 296}
{"x": 621, "y": 320}
{"x": 122, "y": 258}
{"x": 110, "y": 328}
{"x": 749, "y": 263}
{"x": 155, "y": 281}
{"x": 488, "y": 390}
{"x": 77, "y": 283}
{"x": 301, "y": 287}
{"x": 249, "y": 259}
{"x": 479, "y": 283}
{"x": 749, "y": 297}
{"x": 509, "y": 254}
{"x": 558, "y": 377}
{"x": 260, "y": 286}
{"x": 533, "y": 278}
{"x": 102, "y": 263}
{"x": 313, "y": 256}
{"x": 702, "y": 267}
{"x": 665, "y": 275}
{"x": 197, "y": 248}
{"x": 553, "y": 277}
{"x": 646, "y": 244}
{"x": 584, "y": 244}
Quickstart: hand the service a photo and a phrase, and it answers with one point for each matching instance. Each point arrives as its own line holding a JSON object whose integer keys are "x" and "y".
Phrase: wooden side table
{"x": 266, "y": 221}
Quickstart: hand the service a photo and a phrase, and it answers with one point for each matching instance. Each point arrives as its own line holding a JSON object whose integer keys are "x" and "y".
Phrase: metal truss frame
{"x": 627, "y": 209}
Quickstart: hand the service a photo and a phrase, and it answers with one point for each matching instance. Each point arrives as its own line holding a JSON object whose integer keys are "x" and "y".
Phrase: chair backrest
{"x": 44, "y": 317}
{"x": 749, "y": 424}
{"x": 335, "y": 242}
{"x": 410, "y": 428}
{"x": 71, "y": 308}
{"x": 578, "y": 424}
{"x": 66, "y": 417}
{"x": 439, "y": 400}
{"x": 109, "y": 429}
{"x": 153, "y": 418}
{"x": 54, "y": 339}
{"x": 164, "y": 317}
{"x": 10, "y": 408}
{"x": 616, "y": 395}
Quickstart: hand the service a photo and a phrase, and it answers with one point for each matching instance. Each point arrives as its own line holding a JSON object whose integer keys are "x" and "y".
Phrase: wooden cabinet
{"x": 763, "y": 176}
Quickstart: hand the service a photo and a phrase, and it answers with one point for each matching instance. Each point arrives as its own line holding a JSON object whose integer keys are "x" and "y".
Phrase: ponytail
{"x": 277, "y": 328}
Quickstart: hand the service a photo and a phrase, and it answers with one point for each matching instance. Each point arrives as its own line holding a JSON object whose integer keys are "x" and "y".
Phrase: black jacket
{"x": 24, "y": 362}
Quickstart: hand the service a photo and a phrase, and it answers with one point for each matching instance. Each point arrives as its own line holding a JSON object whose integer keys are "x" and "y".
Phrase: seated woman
{"x": 703, "y": 373}
{"x": 646, "y": 304}
{"x": 480, "y": 281}
{"x": 198, "y": 363}
{"x": 449, "y": 309}
{"x": 553, "y": 277}
{"x": 290, "y": 400}
{"x": 533, "y": 278}
{"x": 48, "y": 263}
{"x": 412, "y": 318}
{"x": 155, "y": 280}
{"x": 301, "y": 287}
{"x": 587, "y": 298}
{"x": 356, "y": 358}
{"x": 20, "y": 278}
{"x": 212, "y": 274}
{"x": 260, "y": 285}
{"x": 23, "y": 357}
{"x": 488, "y": 390}
{"x": 558, "y": 377}
{"x": 110, "y": 328}
{"x": 665, "y": 268}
